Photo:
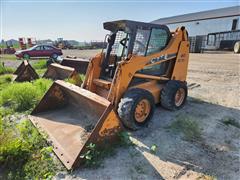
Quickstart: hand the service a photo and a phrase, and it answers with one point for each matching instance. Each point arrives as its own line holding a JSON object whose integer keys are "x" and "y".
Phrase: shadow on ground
{"x": 215, "y": 153}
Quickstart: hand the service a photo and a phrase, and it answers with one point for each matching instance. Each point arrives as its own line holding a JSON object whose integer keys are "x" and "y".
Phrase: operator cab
{"x": 132, "y": 38}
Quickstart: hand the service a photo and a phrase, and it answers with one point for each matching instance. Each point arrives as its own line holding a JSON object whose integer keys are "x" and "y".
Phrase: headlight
{"x": 18, "y": 52}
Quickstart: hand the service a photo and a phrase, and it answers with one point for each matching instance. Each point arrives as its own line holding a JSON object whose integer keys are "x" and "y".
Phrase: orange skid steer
{"x": 144, "y": 64}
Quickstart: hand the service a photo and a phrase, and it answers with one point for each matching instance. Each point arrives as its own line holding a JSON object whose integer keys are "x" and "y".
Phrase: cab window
{"x": 120, "y": 44}
{"x": 158, "y": 41}
{"x": 140, "y": 44}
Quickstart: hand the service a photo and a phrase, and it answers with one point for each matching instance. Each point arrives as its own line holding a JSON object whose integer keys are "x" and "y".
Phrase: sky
{"x": 82, "y": 20}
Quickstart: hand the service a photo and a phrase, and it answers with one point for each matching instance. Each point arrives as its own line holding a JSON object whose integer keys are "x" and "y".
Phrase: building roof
{"x": 211, "y": 14}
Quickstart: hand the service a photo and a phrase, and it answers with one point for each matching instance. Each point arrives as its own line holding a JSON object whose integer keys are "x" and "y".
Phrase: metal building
{"x": 217, "y": 27}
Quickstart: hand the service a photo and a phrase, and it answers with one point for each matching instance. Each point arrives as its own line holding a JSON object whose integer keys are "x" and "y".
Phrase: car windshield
{"x": 33, "y": 47}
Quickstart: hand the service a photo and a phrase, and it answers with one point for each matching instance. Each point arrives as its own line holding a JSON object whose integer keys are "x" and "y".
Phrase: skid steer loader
{"x": 25, "y": 72}
{"x": 144, "y": 64}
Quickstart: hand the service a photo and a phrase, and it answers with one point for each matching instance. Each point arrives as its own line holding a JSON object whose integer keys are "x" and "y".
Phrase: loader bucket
{"x": 25, "y": 72}
{"x": 58, "y": 72}
{"x": 80, "y": 65}
{"x": 72, "y": 118}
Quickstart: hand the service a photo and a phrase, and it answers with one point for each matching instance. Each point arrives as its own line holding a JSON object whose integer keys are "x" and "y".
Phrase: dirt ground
{"x": 82, "y": 54}
{"x": 213, "y": 81}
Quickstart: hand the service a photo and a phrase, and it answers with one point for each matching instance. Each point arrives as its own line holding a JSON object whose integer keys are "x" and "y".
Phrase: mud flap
{"x": 72, "y": 118}
{"x": 25, "y": 72}
{"x": 59, "y": 72}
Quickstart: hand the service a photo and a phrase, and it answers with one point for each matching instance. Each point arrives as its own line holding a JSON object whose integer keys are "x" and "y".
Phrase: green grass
{"x": 82, "y": 76}
{"x": 227, "y": 120}
{"x": 5, "y": 80}
{"x": 206, "y": 177}
{"x": 41, "y": 64}
{"x": 188, "y": 126}
{"x": 24, "y": 96}
{"x": 8, "y": 57}
{"x": 5, "y": 70}
{"x": 40, "y": 72}
{"x": 16, "y": 46}
{"x": 40, "y": 67}
{"x": 94, "y": 155}
{"x": 24, "y": 153}
{"x": 77, "y": 80}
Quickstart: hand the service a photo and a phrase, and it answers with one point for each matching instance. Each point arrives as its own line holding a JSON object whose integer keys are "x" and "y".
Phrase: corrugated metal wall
{"x": 204, "y": 27}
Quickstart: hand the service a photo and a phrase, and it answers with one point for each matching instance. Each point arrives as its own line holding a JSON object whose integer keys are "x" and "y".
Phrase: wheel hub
{"x": 179, "y": 97}
{"x": 142, "y": 110}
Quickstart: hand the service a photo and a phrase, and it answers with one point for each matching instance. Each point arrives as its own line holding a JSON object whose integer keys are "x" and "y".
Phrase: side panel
{"x": 181, "y": 65}
{"x": 153, "y": 87}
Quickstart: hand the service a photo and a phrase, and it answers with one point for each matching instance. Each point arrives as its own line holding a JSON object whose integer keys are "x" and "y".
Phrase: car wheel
{"x": 54, "y": 56}
{"x": 49, "y": 61}
{"x": 26, "y": 56}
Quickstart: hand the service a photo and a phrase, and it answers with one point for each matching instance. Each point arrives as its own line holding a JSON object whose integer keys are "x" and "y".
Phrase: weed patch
{"x": 24, "y": 153}
{"x": 8, "y": 57}
{"x": 91, "y": 156}
{"x": 187, "y": 126}
{"x": 139, "y": 169}
{"x": 154, "y": 148}
{"x": 41, "y": 72}
{"x": 5, "y": 111}
{"x": 5, "y": 70}
{"x": 77, "y": 80}
{"x": 206, "y": 177}
{"x": 24, "y": 96}
{"x": 5, "y": 80}
{"x": 124, "y": 139}
{"x": 230, "y": 121}
{"x": 41, "y": 64}
{"x": 94, "y": 155}
{"x": 42, "y": 85}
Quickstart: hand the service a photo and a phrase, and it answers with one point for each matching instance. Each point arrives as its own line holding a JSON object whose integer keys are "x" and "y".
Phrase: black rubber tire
{"x": 49, "y": 61}
{"x": 54, "y": 56}
{"x": 237, "y": 47}
{"x": 127, "y": 106}
{"x": 26, "y": 56}
{"x": 168, "y": 94}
